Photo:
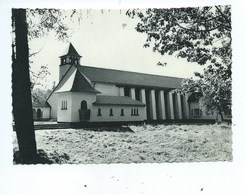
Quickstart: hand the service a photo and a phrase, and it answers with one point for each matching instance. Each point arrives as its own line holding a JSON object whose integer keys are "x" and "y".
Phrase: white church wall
{"x": 53, "y": 102}
{"x": 46, "y": 112}
{"x": 116, "y": 113}
{"x": 64, "y": 108}
{"x": 77, "y": 98}
{"x": 107, "y": 89}
{"x": 193, "y": 114}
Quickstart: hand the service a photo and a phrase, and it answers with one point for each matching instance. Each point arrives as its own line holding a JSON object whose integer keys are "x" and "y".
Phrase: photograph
{"x": 109, "y": 86}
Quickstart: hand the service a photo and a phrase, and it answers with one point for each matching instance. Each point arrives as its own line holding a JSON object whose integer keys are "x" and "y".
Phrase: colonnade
{"x": 161, "y": 104}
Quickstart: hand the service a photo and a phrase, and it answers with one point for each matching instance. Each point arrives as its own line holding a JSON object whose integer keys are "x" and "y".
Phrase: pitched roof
{"x": 82, "y": 84}
{"x": 125, "y": 78}
{"x": 77, "y": 82}
{"x": 117, "y": 100}
{"x": 40, "y": 104}
{"x": 71, "y": 52}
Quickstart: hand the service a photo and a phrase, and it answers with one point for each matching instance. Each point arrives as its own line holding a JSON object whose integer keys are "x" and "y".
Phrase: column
{"x": 132, "y": 93}
{"x": 121, "y": 91}
{"x": 161, "y": 105}
{"x": 153, "y": 113}
{"x": 143, "y": 100}
{"x": 171, "y": 106}
{"x": 179, "y": 106}
{"x": 142, "y": 96}
{"x": 186, "y": 106}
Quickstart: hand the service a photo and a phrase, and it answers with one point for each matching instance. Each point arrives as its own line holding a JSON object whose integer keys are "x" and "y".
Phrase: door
{"x": 84, "y": 111}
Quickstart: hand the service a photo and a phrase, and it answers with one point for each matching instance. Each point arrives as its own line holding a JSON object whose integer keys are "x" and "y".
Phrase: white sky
{"x": 105, "y": 41}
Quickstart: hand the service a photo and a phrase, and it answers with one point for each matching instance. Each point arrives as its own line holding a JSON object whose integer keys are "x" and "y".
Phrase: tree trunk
{"x": 21, "y": 94}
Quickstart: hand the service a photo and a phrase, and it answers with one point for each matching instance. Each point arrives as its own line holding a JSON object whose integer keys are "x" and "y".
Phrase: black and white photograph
{"x": 124, "y": 87}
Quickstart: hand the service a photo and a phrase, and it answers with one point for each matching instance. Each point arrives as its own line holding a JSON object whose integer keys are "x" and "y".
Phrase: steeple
{"x": 72, "y": 57}
{"x": 66, "y": 61}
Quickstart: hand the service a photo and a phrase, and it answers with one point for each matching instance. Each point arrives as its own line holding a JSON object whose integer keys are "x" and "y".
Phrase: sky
{"x": 107, "y": 40}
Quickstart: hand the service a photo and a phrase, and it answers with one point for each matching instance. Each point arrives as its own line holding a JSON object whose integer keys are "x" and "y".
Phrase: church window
{"x": 111, "y": 112}
{"x": 67, "y": 60}
{"x": 134, "y": 112}
{"x": 196, "y": 112}
{"x": 63, "y": 105}
{"x": 122, "y": 112}
{"x": 99, "y": 112}
{"x": 137, "y": 112}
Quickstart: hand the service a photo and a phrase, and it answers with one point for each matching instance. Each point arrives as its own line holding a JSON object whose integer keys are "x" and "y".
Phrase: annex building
{"x": 104, "y": 95}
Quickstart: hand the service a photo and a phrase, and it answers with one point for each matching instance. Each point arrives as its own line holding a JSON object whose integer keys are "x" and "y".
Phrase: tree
{"x": 40, "y": 95}
{"x": 21, "y": 85}
{"x": 22, "y": 107}
{"x": 216, "y": 94}
{"x": 198, "y": 34}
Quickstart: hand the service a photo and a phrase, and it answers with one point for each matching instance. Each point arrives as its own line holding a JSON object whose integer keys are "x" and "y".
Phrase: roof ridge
{"x": 71, "y": 51}
{"x": 131, "y": 72}
{"x": 59, "y": 82}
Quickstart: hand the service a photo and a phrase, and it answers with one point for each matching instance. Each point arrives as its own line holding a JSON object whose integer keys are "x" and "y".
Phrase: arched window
{"x": 99, "y": 112}
{"x": 122, "y": 112}
{"x": 84, "y": 105}
{"x": 67, "y": 60}
{"x": 111, "y": 112}
{"x": 39, "y": 113}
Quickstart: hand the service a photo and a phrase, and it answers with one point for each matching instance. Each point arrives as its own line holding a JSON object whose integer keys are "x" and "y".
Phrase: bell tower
{"x": 69, "y": 59}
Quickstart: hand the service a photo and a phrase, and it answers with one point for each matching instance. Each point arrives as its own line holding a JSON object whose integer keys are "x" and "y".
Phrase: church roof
{"x": 40, "y": 104}
{"x": 77, "y": 82}
{"x": 71, "y": 52}
{"x": 82, "y": 84}
{"x": 126, "y": 78}
{"x": 117, "y": 100}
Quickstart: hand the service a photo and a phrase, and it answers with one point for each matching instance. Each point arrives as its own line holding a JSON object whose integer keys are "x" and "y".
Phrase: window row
{"x": 63, "y": 105}
{"x": 70, "y": 60}
{"x": 196, "y": 112}
{"x": 134, "y": 112}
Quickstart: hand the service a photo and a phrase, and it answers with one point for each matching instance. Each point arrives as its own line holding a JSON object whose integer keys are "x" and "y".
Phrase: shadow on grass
{"x": 111, "y": 129}
{"x": 43, "y": 158}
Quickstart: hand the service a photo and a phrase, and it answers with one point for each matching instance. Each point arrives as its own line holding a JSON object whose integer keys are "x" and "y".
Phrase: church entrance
{"x": 84, "y": 111}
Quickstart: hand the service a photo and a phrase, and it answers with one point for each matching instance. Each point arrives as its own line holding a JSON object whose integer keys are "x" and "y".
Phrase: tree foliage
{"x": 198, "y": 34}
{"x": 191, "y": 33}
{"x": 43, "y": 21}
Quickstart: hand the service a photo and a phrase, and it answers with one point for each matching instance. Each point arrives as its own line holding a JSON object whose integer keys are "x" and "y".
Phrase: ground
{"x": 146, "y": 144}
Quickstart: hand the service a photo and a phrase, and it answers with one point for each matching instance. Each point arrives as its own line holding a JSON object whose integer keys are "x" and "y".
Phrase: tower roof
{"x": 71, "y": 52}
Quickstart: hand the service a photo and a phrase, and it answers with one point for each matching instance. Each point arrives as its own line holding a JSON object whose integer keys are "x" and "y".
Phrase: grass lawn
{"x": 148, "y": 144}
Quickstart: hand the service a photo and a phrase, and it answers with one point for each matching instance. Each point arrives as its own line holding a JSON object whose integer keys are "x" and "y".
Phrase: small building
{"x": 41, "y": 110}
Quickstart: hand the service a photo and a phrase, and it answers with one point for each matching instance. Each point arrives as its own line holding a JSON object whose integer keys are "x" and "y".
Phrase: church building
{"x": 94, "y": 94}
